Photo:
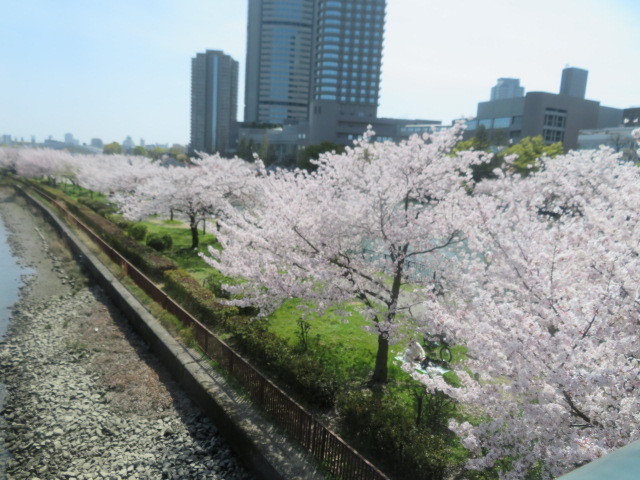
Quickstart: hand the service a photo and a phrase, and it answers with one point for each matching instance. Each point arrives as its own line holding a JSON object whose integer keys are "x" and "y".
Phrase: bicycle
{"x": 438, "y": 348}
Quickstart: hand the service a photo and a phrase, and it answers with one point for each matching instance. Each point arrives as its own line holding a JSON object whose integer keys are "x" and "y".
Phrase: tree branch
{"x": 575, "y": 411}
{"x": 450, "y": 241}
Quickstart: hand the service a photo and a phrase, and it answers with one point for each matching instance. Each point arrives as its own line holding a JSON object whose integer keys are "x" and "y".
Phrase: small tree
{"x": 113, "y": 148}
{"x": 529, "y": 150}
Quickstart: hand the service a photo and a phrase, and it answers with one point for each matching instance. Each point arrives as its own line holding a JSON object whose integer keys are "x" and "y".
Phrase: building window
{"x": 552, "y": 136}
{"x": 554, "y": 120}
{"x": 502, "y": 122}
{"x": 555, "y": 117}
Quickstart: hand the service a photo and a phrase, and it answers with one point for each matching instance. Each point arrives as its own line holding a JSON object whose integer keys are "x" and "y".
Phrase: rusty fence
{"x": 343, "y": 461}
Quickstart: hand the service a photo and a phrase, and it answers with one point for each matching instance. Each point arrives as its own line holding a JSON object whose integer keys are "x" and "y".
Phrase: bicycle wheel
{"x": 445, "y": 354}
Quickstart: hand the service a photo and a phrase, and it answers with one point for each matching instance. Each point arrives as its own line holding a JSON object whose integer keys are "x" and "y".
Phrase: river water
{"x": 10, "y": 281}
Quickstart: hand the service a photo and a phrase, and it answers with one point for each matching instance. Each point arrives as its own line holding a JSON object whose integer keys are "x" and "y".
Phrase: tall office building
{"x": 214, "y": 101}
{"x": 507, "y": 88}
{"x": 574, "y": 82}
{"x": 348, "y": 52}
{"x": 299, "y": 51}
{"x": 348, "y": 38}
{"x": 278, "y": 68}
{"x": 315, "y": 61}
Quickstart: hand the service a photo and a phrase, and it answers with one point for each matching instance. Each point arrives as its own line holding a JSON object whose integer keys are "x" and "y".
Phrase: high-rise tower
{"x": 347, "y": 55}
{"x": 314, "y": 62}
{"x": 214, "y": 101}
{"x": 278, "y": 68}
{"x": 348, "y": 37}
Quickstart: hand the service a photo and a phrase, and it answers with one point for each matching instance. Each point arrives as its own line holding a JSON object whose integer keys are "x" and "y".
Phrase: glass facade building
{"x": 347, "y": 54}
{"x": 279, "y": 46}
{"x": 302, "y": 51}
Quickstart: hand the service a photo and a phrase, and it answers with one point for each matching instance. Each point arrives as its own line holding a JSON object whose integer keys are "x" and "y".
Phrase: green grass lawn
{"x": 181, "y": 252}
{"x": 339, "y": 331}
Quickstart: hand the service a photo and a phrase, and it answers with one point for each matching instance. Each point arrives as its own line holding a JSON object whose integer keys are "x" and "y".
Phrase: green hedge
{"x": 100, "y": 206}
{"x": 313, "y": 380}
{"x": 159, "y": 242}
{"x": 197, "y": 300}
{"x": 383, "y": 429}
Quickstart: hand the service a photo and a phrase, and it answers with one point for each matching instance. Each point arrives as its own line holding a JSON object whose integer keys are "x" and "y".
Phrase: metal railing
{"x": 342, "y": 460}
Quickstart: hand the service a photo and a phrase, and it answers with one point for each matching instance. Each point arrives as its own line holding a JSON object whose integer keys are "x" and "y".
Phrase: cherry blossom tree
{"x": 8, "y": 159}
{"x": 206, "y": 188}
{"x": 111, "y": 174}
{"x": 38, "y": 163}
{"x": 549, "y": 310}
{"x": 369, "y": 226}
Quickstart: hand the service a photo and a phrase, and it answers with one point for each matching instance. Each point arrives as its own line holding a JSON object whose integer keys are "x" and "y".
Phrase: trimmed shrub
{"x": 167, "y": 240}
{"x": 137, "y": 231}
{"x": 379, "y": 425}
{"x": 160, "y": 242}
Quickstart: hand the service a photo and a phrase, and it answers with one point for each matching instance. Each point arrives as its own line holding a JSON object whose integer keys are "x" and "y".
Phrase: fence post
{"x": 230, "y": 361}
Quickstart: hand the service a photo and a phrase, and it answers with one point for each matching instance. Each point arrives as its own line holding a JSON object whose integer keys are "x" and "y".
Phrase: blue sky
{"x": 112, "y": 68}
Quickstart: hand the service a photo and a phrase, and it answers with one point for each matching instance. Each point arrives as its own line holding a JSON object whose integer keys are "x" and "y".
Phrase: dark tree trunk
{"x": 381, "y": 370}
{"x": 195, "y": 238}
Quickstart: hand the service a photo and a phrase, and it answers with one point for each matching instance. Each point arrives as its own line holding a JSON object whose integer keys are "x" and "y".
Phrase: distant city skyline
{"x": 115, "y": 69}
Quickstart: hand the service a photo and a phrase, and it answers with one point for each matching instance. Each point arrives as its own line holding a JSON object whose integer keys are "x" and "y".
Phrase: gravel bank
{"x": 85, "y": 398}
